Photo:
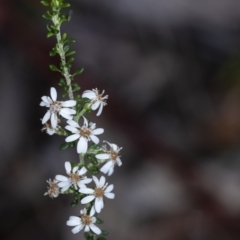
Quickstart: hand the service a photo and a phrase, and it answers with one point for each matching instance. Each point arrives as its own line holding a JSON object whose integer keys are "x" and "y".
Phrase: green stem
{"x": 81, "y": 158}
{"x": 61, "y": 53}
{"x": 76, "y": 118}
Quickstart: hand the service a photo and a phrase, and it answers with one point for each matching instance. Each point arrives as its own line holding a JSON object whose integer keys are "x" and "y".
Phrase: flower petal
{"x": 110, "y": 172}
{"x": 64, "y": 184}
{"x": 92, "y": 211}
{"x": 89, "y": 94}
{"x": 46, "y": 117}
{"x": 95, "y": 229}
{"x": 72, "y": 138}
{"x": 74, "y": 221}
{"x": 66, "y": 188}
{"x": 54, "y": 120}
{"x": 94, "y": 139}
{"x": 71, "y": 129}
{"x": 61, "y": 178}
{"x": 87, "y": 229}
{"x": 95, "y": 105}
{"x": 114, "y": 147}
{"x": 77, "y": 229}
{"x": 53, "y": 94}
{"x": 65, "y": 115}
{"x": 67, "y": 111}
{"x": 102, "y": 181}
{"x": 98, "y": 131}
{"x": 105, "y": 168}
{"x": 87, "y": 199}
{"x": 82, "y": 145}
{"x": 45, "y": 99}
{"x": 109, "y": 188}
{"x": 82, "y": 171}
{"x": 86, "y": 181}
{"x": 103, "y": 156}
{"x": 73, "y": 123}
{"x": 100, "y": 109}
{"x": 43, "y": 104}
{"x": 109, "y": 195}
{"x": 98, "y": 204}
{"x": 68, "y": 167}
{"x": 95, "y": 180}
{"x": 75, "y": 169}
{"x": 69, "y": 103}
{"x": 85, "y": 121}
{"x": 86, "y": 190}
{"x": 119, "y": 162}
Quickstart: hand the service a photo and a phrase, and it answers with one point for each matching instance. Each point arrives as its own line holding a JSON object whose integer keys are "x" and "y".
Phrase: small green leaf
{"x": 79, "y": 71}
{"x": 48, "y": 28}
{"x": 74, "y": 203}
{"x": 62, "y": 82}
{"x": 70, "y": 60}
{"x": 63, "y": 146}
{"x": 101, "y": 238}
{"x": 50, "y": 34}
{"x": 86, "y": 235}
{"x": 45, "y": 16}
{"x": 45, "y": 3}
{"x": 71, "y": 40}
{"x": 79, "y": 108}
{"x": 76, "y": 88}
{"x": 99, "y": 221}
{"x": 72, "y": 144}
{"x": 64, "y": 94}
{"x": 66, "y": 87}
{"x": 65, "y": 5}
{"x": 52, "y": 53}
{"x": 64, "y": 36}
{"x": 104, "y": 233}
{"x": 94, "y": 161}
{"x": 70, "y": 53}
{"x": 93, "y": 170}
{"x": 69, "y": 65}
{"x": 66, "y": 48}
{"x": 54, "y": 68}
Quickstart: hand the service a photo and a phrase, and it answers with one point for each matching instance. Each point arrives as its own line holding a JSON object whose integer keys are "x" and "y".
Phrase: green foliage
{"x": 104, "y": 233}
{"x": 45, "y": 3}
{"x": 79, "y": 71}
{"x": 99, "y": 221}
{"x": 64, "y": 146}
{"x": 101, "y": 238}
{"x": 54, "y": 68}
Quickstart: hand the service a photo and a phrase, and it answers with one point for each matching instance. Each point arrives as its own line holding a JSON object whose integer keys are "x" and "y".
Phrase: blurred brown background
{"x": 172, "y": 72}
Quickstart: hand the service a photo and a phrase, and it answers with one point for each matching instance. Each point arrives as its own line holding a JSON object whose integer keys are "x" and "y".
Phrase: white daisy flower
{"x": 102, "y": 189}
{"x": 97, "y": 99}
{"x": 48, "y": 127}
{"x": 84, "y": 134}
{"x": 84, "y": 220}
{"x": 53, "y": 189}
{"x": 56, "y": 107}
{"x": 112, "y": 158}
{"x": 75, "y": 178}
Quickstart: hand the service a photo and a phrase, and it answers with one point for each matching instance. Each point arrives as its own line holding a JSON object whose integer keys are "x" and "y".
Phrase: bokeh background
{"x": 171, "y": 69}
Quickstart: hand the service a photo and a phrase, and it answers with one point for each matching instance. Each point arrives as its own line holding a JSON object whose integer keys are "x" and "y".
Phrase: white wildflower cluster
{"x": 80, "y": 179}
{"x": 85, "y": 179}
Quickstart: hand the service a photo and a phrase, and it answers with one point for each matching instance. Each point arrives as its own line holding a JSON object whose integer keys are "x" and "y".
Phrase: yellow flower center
{"x": 75, "y": 178}
{"x": 99, "y": 192}
{"x": 86, "y": 220}
{"x": 55, "y": 107}
{"x": 114, "y": 155}
{"x": 85, "y": 132}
